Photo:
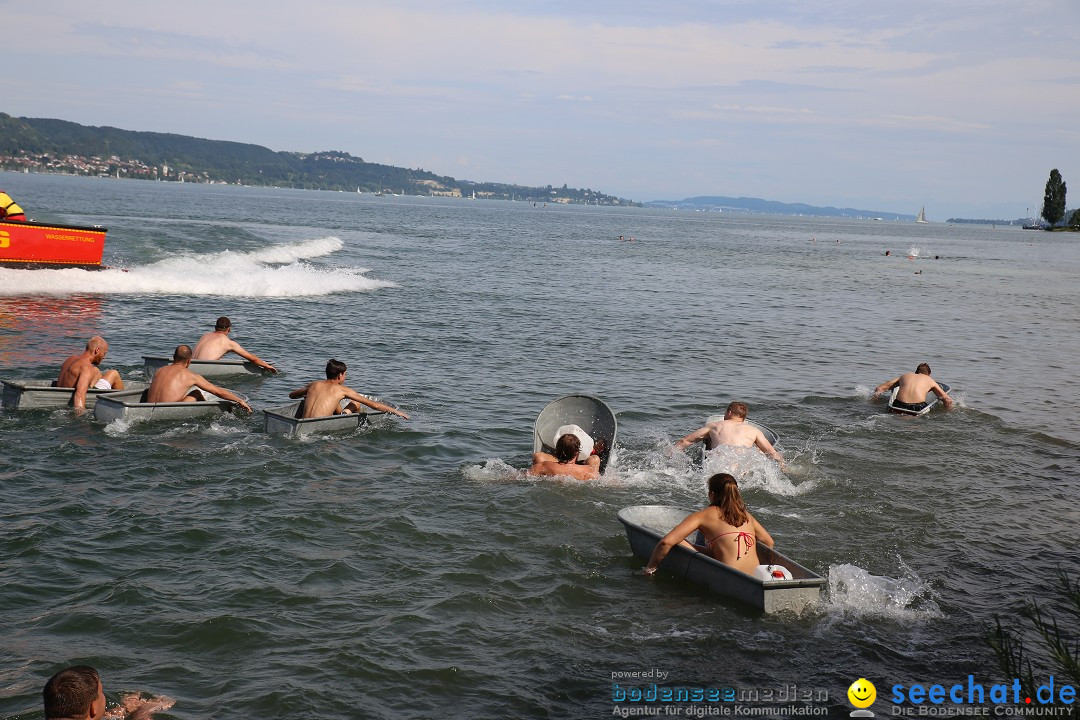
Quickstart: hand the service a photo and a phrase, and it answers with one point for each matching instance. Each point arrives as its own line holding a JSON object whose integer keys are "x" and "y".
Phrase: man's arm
{"x": 81, "y": 386}
{"x": 302, "y": 392}
{"x": 766, "y": 447}
{"x": 696, "y": 436}
{"x": 252, "y": 357}
{"x": 886, "y": 386}
{"x": 940, "y": 392}
{"x": 373, "y": 404}
{"x": 204, "y": 384}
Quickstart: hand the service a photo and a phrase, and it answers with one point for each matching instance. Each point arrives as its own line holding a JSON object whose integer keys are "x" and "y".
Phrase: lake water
{"x": 409, "y": 569}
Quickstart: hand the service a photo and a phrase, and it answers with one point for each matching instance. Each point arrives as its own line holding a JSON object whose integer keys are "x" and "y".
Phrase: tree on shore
{"x": 1054, "y": 199}
{"x": 1074, "y": 219}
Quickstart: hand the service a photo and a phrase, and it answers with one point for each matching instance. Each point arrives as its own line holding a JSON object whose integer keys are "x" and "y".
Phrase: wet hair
{"x": 334, "y": 368}
{"x": 728, "y": 500}
{"x": 738, "y": 409}
{"x": 567, "y": 448}
{"x": 71, "y": 692}
{"x": 182, "y": 352}
{"x": 223, "y": 323}
{"x": 923, "y": 369}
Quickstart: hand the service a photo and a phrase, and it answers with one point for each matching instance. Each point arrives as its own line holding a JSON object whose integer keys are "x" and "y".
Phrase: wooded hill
{"x": 47, "y": 145}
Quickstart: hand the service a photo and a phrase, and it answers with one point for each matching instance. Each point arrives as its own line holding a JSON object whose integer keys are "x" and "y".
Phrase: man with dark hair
{"x": 214, "y": 345}
{"x": 322, "y": 398}
{"x": 82, "y": 373}
{"x": 733, "y": 430}
{"x": 564, "y": 461}
{"x": 75, "y": 693}
{"x": 173, "y": 383}
{"x": 913, "y": 388}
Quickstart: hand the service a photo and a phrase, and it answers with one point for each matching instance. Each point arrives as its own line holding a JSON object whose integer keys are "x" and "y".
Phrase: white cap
{"x": 586, "y": 441}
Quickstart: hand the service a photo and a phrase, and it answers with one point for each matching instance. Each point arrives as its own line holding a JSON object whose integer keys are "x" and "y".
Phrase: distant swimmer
{"x": 565, "y": 460}
{"x": 913, "y": 389}
{"x": 733, "y": 431}
{"x": 175, "y": 383}
{"x": 76, "y": 693}
{"x": 322, "y": 398}
{"x": 214, "y": 345}
{"x": 9, "y": 210}
{"x": 81, "y": 372}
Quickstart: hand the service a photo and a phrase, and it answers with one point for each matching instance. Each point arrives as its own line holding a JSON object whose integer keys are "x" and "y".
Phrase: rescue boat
{"x": 34, "y": 245}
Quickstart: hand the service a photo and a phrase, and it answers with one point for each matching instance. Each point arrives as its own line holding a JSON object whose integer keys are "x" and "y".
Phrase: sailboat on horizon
{"x": 922, "y": 215}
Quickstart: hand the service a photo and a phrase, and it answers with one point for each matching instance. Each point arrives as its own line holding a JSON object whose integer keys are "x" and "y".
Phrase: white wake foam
{"x": 853, "y": 589}
{"x": 276, "y": 271}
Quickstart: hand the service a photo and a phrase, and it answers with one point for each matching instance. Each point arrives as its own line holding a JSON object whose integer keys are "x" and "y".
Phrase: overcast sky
{"x": 961, "y": 106}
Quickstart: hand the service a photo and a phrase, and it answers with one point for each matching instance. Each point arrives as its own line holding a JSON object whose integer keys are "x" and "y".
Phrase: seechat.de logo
{"x": 862, "y": 695}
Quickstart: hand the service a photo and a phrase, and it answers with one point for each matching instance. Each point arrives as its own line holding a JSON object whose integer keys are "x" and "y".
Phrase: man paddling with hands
{"x": 913, "y": 388}
{"x": 76, "y": 693}
{"x": 82, "y": 373}
{"x": 733, "y": 430}
{"x": 565, "y": 461}
{"x": 322, "y": 398}
{"x": 214, "y": 345}
{"x": 173, "y": 383}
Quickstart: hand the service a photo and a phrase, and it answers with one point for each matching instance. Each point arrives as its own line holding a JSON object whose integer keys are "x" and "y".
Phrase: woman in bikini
{"x": 730, "y": 530}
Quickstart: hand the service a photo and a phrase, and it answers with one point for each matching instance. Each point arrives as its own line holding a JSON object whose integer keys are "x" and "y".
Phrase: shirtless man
{"x": 173, "y": 383}
{"x": 213, "y": 345}
{"x": 913, "y": 389}
{"x": 75, "y": 693}
{"x": 734, "y": 431}
{"x": 564, "y": 461}
{"x": 82, "y": 373}
{"x": 322, "y": 398}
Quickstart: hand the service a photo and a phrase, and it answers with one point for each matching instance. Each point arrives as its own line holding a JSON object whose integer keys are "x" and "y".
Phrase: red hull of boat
{"x": 45, "y": 245}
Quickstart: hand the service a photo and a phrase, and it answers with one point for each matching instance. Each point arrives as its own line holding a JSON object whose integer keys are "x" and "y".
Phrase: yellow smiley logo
{"x": 862, "y": 693}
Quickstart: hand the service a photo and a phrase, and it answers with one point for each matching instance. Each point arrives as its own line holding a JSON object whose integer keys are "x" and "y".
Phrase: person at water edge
{"x": 82, "y": 373}
{"x": 174, "y": 382}
{"x": 76, "y": 693}
{"x": 913, "y": 388}
{"x": 729, "y": 529}
{"x": 733, "y": 430}
{"x": 213, "y": 345}
{"x": 9, "y": 209}
{"x": 565, "y": 461}
{"x": 322, "y": 398}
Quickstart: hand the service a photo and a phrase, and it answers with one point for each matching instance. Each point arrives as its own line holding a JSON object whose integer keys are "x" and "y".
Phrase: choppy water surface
{"x": 408, "y": 569}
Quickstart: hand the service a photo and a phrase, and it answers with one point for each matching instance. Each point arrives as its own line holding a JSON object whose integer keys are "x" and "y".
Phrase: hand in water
{"x": 134, "y": 707}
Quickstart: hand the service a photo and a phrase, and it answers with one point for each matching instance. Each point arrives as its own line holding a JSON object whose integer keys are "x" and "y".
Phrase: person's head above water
{"x": 223, "y": 323}
{"x": 737, "y": 410}
{"x": 334, "y": 368}
{"x": 724, "y": 494}
{"x": 567, "y": 448}
{"x": 181, "y": 353}
{"x": 74, "y": 693}
{"x": 923, "y": 369}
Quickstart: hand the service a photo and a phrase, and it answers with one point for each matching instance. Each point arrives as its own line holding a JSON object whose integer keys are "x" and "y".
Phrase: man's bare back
{"x": 216, "y": 344}
{"x": 913, "y": 387}
{"x": 322, "y": 398}
{"x": 545, "y": 465}
{"x": 174, "y": 383}
{"x": 733, "y": 430}
{"x": 81, "y": 372}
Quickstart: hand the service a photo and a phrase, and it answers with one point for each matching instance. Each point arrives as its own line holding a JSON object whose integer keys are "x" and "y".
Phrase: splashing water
{"x": 852, "y": 589}
{"x": 278, "y": 272}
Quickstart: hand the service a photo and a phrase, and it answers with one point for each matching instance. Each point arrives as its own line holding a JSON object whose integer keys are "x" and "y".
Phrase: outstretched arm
{"x": 373, "y": 404}
{"x": 252, "y": 357}
{"x": 696, "y": 436}
{"x": 204, "y": 384}
{"x": 766, "y": 447}
{"x": 940, "y": 392}
{"x": 886, "y": 386}
{"x": 302, "y": 392}
{"x": 677, "y": 535}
